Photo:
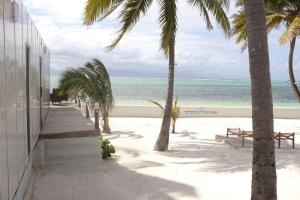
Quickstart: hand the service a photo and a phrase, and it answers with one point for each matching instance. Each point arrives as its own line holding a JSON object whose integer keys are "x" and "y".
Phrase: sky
{"x": 200, "y": 53}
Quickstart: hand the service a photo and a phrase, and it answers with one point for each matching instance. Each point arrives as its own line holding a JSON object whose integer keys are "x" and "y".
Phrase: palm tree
{"x": 133, "y": 10}
{"x": 175, "y": 112}
{"x": 279, "y": 12}
{"x": 263, "y": 163}
{"x": 91, "y": 81}
{"x": 73, "y": 93}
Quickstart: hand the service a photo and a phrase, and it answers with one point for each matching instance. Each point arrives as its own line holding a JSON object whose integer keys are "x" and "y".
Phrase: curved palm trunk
{"x": 173, "y": 126}
{"x": 162, "y": 141}
{"x": 263, "y": 163}
{"x": 106, "y": 128}
{"x": 79, "y": 103}
{"x": 291, "y": 71}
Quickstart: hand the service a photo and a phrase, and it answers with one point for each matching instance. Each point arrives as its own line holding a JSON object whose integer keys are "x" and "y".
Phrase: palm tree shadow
{"x": 209, "y": 155}
{"x": 109, "y": 180}
{"x": 143, "y": 186}
{"x": 220, "y": 157}
{"x": 187, "y": 134}
{"x": 123, "y": 134}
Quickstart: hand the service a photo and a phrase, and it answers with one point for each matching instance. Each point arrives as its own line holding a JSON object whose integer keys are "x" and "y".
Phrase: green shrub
{"x": 107, "y": 148}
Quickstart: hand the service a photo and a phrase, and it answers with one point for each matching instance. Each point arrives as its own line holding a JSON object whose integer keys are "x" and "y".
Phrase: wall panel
{"x": 3, "y": 138}
{"x": 20, "y": 88}
{"x": 25, "y": 42}
{"x": 11, "y": 94}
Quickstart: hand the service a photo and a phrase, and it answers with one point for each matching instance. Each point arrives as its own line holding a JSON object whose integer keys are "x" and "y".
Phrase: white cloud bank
{"x": 199, "y": 53}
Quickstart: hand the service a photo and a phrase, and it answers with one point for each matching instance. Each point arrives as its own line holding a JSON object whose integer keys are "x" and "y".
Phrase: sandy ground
{"x": 195, "y": 167}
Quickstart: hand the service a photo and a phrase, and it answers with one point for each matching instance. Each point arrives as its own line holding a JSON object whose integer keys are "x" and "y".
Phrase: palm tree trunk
{"x": 263, "y": 163}
{"x": 106, "y": 128}
{"x": 79, "y": 103}
{"x": 291, "y": 71}
{"x": 173, "y": 126}
{"x": 162, "y": 141}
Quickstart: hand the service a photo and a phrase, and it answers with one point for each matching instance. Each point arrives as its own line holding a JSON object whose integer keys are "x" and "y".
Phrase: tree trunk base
{"x": 162, "y": 142}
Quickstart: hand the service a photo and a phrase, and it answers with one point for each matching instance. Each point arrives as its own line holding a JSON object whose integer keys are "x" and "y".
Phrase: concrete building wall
{"x": 24, "y": 92}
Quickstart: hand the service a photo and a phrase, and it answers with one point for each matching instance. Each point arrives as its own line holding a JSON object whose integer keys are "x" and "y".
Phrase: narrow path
{"x": 70, "y": 157}
{"x": 66, "y": 122}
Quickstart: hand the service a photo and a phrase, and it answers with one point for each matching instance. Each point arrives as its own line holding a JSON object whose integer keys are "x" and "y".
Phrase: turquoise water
{"x": 196, "y": 92}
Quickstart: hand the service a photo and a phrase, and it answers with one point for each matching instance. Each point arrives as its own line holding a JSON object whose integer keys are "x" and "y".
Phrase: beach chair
{"x": 246, "y": 134}
{"x": 278, "y": 136}
{"x": 284, "y": 136}
{"x": 239, "y": 133}
{"x": 233, "y": 131}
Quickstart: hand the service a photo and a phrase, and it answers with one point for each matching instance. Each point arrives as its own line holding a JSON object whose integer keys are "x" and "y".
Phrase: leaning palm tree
{"x": 91, "y": 81}
{"x": 263, "y": 163}
{"x": 72, "y": 93}
{"x": 133, "y": 10}
{"x": 175, "y": 112}
{"x": 279, "y": 12}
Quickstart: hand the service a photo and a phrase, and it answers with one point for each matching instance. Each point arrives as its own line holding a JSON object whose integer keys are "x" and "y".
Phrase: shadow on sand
{"x": 122, "y": 134}
{"x": 220, "y": 157}
{"x": 109, "y": 181}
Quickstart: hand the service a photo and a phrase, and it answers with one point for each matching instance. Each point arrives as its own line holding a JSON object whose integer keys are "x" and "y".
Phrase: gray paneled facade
{"x": 24, "y": 92}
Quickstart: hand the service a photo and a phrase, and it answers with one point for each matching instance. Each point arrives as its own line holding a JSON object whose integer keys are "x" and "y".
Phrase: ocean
{"x": 196, "y": 92}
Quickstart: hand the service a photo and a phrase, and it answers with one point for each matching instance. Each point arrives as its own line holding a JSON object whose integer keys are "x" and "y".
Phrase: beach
{"x": 201, "y": 111}
{"x": 195, "y": 167}
{"x": 198, "y": 164}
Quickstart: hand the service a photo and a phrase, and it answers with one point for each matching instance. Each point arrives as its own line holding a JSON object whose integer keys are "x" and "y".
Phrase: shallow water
{"x": 196, "y": 92}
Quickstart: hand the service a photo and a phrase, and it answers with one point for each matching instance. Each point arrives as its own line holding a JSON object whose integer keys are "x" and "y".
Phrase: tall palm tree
{"x": 91, "y": 81}
{"x": 263, "y": 164}
{"x": 278, "y": 12}
{"x": 133, "y": 10}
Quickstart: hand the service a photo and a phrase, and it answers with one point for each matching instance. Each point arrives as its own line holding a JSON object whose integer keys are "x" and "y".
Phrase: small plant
{"x": 107, "y": 148}
{"x": 175, "y": 113}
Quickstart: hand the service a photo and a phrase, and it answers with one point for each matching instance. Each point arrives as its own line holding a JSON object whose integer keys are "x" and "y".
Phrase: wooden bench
{"x": 233, "y": 131}
{"x": 284, "y": 136}
{"x": 277, "y": 136}
{"x": 240, "y": 133}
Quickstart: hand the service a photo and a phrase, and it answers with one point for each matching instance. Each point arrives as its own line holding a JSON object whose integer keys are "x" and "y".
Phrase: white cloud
{"x": 199, "y": 53}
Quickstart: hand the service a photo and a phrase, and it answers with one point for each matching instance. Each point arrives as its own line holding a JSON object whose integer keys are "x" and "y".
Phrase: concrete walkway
{"x": 67, "y": 121}
{"x": 69, "y": 157}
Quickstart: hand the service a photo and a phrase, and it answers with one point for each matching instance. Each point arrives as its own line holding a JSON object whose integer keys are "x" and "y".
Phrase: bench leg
{"x": 293, "y": 143}
{"x": 227, "y": 133}
{"x": 279, "y": 142}
{"x": 243, "y": 141}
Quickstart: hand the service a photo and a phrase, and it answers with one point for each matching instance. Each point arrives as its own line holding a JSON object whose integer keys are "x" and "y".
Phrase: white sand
{"x": 195, "y": 167}
{"x": 196, "y": 112}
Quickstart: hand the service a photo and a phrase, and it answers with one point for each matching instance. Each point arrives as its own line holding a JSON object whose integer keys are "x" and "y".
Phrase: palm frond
{"x": 156, "y": 103}
{"x": 91, "y": 81}
{"x": 291, "y": 32}
{"x": 239, "y": 28}
{"x": 176, "y": 101}
{"x": 274, "y": 20}
{"x": 96, "y": 10}
{"x": 239, "y": 3}
{"x": 216, "y": 8}
{"x": 129, "y": 16}
{"x": 203, "y": 12}
{"x": 168, "y": 23}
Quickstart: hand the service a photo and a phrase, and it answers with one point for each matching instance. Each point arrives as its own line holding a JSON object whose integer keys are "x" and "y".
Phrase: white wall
{"x": 16, "y": 31}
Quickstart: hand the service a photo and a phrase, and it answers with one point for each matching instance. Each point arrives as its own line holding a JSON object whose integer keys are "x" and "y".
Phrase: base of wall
{"x": 36, "y": 160}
